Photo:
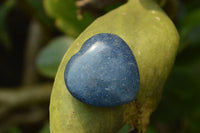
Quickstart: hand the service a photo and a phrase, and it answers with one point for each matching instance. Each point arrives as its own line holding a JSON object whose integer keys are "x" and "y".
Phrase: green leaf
{"x": 49, "y": 58}
{"x": 5, "y": 8}
{"x": 64, "y": 12}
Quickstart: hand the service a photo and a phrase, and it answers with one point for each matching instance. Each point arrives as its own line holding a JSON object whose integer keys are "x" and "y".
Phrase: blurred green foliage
{"x": 189, "y": 28}
{"x": 179, "y": 110}
{"x": 14, "y": 130}
{"x": 39, "y": 11}
{"x": 50, "y": 56}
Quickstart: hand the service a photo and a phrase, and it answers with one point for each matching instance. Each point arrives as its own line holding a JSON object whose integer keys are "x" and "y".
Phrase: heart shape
{"x": 104, "y": 72}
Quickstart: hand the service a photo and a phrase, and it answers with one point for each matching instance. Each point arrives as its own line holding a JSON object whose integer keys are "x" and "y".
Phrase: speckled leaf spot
{"x": 104, "y": 72}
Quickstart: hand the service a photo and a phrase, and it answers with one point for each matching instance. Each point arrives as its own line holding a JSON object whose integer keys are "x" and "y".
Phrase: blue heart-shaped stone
{"x": 104, "y": 72}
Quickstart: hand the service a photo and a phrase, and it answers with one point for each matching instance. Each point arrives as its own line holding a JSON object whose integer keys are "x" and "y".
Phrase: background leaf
{"x": 49, "y": 58}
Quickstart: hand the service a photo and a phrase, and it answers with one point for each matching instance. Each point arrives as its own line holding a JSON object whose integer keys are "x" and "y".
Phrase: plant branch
{"x": 11, "y": 99}
{"x": 37, "y": 36}
{"x": 32, "y": 116}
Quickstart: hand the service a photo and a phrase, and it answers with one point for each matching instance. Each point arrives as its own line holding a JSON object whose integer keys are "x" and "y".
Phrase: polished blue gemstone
{"x": 104, "y": 72}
